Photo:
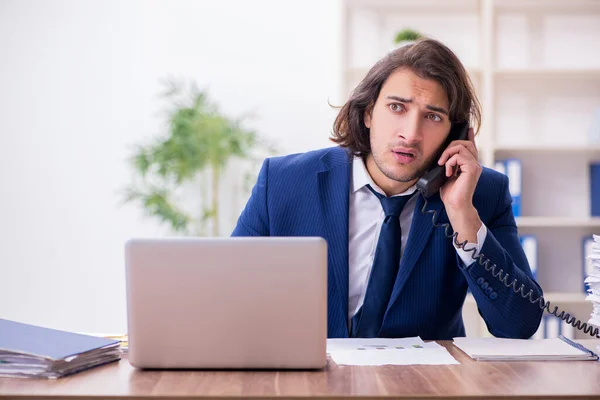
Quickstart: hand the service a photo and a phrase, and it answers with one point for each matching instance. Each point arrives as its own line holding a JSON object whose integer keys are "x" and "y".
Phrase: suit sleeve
{"x": 254, "y": 219}
{"x": 506, "y": 313}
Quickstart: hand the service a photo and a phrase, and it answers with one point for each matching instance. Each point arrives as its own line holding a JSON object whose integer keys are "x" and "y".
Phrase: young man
{"x": 391, "y": 273}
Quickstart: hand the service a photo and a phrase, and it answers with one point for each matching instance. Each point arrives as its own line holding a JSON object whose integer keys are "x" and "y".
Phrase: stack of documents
{"x": 123, "y": 340}
{"x": 28, "y": 351}
{"x": 495, "y": 349}
{"x": 405, "y": 351}
{"x": 121, "y": 337}
{"x": 593, "y": 281}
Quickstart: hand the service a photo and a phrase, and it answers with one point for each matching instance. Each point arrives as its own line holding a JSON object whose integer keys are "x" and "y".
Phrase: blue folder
{"x": 512, "y": 168}
{"x": 595, "y": 189}
{"x": 19, "y": 338}
{"x": 530, "y": 247}
{"x": 514, "y": 171}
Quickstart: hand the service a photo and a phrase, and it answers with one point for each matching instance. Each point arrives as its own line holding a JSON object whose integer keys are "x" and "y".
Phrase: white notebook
{"x": 496, "y": 349}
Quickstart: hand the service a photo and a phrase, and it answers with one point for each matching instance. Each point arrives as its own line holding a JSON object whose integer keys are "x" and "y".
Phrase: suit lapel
{"x": 420, "y": 231}
{"x": 334, "y": 193}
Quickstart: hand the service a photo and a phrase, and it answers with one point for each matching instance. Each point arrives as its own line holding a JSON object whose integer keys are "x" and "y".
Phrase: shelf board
{"x": 362, "y": 71}
{"x": 557, "y": 222}
{"x": 572, "y": 6}
{"x": 552, "y": 297}
{"x": 593, "y": 149}
{"x": 557, "y": 297}
{"x": 544, "y": 73}
{"x": 411, "y": 5}
{"x": 352, "y": 76}
{"x": 593, "y": 73}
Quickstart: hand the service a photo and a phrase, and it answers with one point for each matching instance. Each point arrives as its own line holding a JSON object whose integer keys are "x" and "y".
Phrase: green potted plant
{"x": 405, "y": 36}
{"x": 199, "y": 146}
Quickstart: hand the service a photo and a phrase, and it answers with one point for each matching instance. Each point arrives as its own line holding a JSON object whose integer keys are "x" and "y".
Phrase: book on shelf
{"x": 539, "y": 334}
{"x": 529, "y": 244}
{"x": 553, "y": 327}
{"x": 511, "y": 167}
{"x": 567, "y": 330}
{"x": 595, "y": 189}
{"x": 500, "y": 166}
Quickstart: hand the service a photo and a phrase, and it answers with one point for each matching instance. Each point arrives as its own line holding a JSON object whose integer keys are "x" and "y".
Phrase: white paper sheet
{"x": 405, "y": 351}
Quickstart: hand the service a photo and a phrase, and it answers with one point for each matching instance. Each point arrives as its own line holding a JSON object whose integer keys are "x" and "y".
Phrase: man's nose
{"x": 412, "y": 130}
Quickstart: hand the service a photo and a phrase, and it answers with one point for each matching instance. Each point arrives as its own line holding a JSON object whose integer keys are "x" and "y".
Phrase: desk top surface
{"x": 567, "y": 379}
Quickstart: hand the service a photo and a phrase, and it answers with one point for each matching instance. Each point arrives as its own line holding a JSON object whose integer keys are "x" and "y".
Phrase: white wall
{"x": 78, "y": 86}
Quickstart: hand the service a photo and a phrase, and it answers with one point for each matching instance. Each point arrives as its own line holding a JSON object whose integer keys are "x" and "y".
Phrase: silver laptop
{"x": 227, "y": 303}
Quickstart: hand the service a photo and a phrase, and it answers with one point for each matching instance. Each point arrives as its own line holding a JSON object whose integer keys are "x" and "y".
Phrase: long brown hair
{"x": 428, "y": 59}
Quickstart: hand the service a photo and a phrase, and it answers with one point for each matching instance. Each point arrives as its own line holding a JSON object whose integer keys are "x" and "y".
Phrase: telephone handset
{"x": 435, "y": 178}
{"x": 431, "y": 182}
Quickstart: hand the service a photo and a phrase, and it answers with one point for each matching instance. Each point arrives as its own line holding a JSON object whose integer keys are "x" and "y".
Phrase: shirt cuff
{"x": 467, "y": 256}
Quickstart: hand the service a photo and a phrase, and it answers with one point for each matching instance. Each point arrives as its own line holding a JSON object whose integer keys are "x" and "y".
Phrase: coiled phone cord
{"x": 503, "y": 277}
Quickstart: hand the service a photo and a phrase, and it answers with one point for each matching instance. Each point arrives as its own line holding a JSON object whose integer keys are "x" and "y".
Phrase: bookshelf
{"x": 536, "y": 67}
{"x": 587, "y": 151}
{"x": 558, "y": 222}
{"x": 548, "y": 73}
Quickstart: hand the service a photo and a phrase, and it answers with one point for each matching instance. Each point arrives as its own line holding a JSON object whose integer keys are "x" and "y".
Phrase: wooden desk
{"x": 571, "y": 379}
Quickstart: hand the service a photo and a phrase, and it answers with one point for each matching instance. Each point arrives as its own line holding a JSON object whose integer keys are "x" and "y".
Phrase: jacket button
{"x": 480, "y": 280}
{"x": 493, "y": 295}
{"x": 489, "y": 291}
{"x": 485, "y": 285}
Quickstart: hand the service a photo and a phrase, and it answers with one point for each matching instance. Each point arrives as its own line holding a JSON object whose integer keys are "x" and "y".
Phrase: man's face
{"x": 408, "y": 124}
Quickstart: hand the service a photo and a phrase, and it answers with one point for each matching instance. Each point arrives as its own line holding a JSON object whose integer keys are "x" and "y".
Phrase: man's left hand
{"x": 463, "y": 171}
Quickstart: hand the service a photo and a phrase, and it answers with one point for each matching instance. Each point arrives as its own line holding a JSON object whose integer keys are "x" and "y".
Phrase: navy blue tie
{"x": 366, "y": 323}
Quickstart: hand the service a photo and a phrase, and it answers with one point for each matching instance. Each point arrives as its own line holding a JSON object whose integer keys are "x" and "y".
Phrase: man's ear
{"x": 368, "y": 115}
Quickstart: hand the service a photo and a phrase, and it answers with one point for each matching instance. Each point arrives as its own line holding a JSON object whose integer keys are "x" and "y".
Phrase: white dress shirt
{"x": 365, "y": 219}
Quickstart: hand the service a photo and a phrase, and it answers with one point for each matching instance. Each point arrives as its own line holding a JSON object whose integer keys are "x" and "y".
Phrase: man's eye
{"x": 434, "y": 117}
{"x": 396, "y": 107}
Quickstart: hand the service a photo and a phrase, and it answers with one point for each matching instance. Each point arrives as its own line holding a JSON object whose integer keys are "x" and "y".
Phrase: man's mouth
{"x": 404, "y": 156}
{"x": 404, "y": 152}
{"x": 401, "y": 153}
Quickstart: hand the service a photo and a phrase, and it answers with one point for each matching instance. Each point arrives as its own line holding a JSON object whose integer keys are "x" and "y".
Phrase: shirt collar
{"x": 361, "y": 178}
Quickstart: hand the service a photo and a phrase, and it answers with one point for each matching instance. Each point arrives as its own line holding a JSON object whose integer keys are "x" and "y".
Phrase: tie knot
{"x": 392, "y": 206}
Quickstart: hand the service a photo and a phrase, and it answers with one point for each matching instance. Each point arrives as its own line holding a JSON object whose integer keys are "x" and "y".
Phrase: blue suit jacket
{"x": 308, "y": 195}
